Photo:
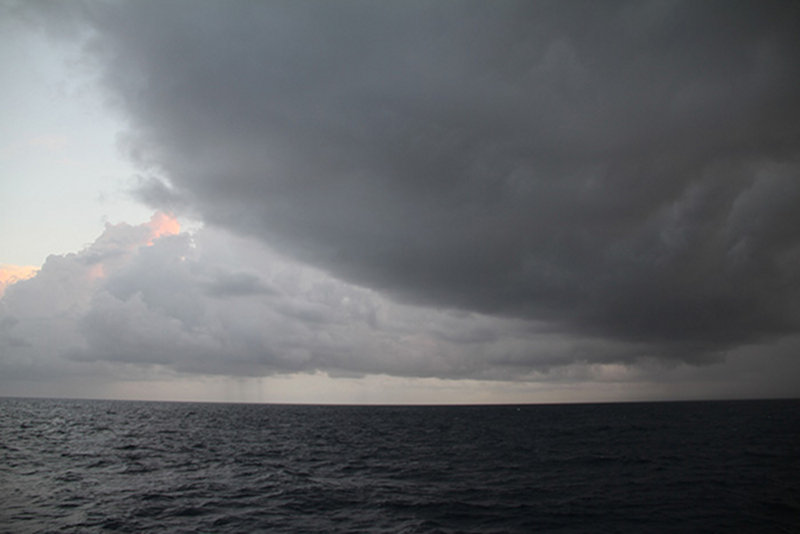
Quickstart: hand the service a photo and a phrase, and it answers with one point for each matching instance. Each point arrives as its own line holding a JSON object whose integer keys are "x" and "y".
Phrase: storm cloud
{"x": 625, "y": 173}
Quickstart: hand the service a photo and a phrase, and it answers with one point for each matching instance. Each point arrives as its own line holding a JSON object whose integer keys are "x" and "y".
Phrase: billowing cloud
{"x": 163, "y": 224}
{"x": 139, "y": 296}
{"x": 585, "y": 182}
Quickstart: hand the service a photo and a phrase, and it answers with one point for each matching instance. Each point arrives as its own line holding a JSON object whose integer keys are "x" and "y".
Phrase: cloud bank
{"x": 146, "y": 305}
{"x": 211, "y": 303}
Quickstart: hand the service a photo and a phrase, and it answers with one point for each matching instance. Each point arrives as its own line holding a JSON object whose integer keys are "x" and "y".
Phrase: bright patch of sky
{"x": 62, "y": 176}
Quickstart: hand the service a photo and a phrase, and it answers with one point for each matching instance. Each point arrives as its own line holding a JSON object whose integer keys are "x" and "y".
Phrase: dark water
{"x": 78, "y": 466}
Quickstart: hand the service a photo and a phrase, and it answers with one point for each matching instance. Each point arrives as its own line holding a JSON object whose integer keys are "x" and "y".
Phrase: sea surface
{"x": 119, "y": 466}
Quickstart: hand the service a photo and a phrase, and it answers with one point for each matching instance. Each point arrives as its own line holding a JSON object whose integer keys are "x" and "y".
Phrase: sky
{"x": 400, "y": 202}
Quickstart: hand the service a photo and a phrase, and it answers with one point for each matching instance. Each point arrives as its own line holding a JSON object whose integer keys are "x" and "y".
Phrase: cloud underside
{"x": 597, "y": 182}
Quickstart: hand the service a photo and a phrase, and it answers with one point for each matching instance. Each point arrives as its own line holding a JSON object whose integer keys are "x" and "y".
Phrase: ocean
{"x": 121, "y": 466}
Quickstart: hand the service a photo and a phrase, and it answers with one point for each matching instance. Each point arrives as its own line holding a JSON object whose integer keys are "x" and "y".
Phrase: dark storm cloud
{"x": 622, "y": 170}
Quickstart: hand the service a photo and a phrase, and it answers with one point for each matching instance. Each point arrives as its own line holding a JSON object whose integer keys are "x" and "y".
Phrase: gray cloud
{"x": 623, "y": 171}
{"x": 144, "y": 312}
{"x": 236, "y": 285}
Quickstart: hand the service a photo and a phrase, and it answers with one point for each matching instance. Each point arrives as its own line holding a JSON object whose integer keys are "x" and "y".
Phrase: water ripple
{"x": 75, "y": 466}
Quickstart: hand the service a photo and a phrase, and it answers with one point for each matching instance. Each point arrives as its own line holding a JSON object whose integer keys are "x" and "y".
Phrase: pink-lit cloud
{"x": 162, "y": 224}
{"x": 11, "y": 274}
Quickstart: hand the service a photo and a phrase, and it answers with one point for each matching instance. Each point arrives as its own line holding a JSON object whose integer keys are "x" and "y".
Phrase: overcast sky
{"x": 417, "y": 201}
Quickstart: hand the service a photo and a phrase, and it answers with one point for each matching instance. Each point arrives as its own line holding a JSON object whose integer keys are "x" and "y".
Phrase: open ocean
{"x": 119, "y": 466}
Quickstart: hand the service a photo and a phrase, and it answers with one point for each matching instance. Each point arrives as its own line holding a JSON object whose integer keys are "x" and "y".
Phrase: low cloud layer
{"x": 211, "y": 303}
{"x": 145, "y": 305}
{"x": 621, "y": 177}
